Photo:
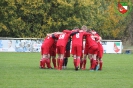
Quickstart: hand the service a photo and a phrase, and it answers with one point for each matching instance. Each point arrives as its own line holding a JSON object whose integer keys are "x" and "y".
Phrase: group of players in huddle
{"x": 61, "y": 42}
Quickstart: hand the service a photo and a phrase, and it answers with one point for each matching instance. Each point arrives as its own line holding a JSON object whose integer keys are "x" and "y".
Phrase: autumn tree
{"x": 35, "y": 18}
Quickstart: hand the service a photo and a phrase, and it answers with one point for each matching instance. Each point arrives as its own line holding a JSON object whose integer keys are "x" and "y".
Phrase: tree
{"x": 35, "y": 18}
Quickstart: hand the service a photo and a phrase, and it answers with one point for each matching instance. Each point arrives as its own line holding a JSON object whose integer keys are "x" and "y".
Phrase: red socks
{"x": 84, "y": 64}
{"x": 93, "y": 64}
{"x": 60, "y": 64}
{"x": 78, "y": 62}
{"x": 48, "y": 63}
{"x": 42, "y": 63}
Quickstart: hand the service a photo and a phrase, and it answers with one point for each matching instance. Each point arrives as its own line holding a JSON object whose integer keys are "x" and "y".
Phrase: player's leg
{"x": 91, "y": 59}
{"x": 73, "y": 52}
{"x": 94, "y": 62}
{"x": 44, "y": 56}
{"x": 42, "y": 65}
{"x": 53, "y": 56}
{"x": 78, "y": 56}
{"x": 81, "y": 61}
{"x": 43, "y": 61}
{"x": 65, "y": 61}
{"x": 58, "y": 58}
{"x": 62, "y": 51}
{"x": 84, "y": 61}
{"x": 85, "y": 57}
{"x": 100, "y": 59}
{"x": 48, "y": 62}
{"x": 94, "y": 55}
{"x": 58, "y": 61}
{"x": 100, "y": 64}
{"x": 61, "y": 61}
{"x": 77, "y": 62}
{"x": 63, "y": 66}
{"x": 97, "y": 63}
{"x": 54, "y": 61}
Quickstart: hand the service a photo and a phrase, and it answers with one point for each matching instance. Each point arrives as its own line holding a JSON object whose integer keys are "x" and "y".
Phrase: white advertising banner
{"x": 7, "y": 45}
{"x": 112, "y": 47}
{"x": 20, "y": 45}
{"x": 34, "y": 45}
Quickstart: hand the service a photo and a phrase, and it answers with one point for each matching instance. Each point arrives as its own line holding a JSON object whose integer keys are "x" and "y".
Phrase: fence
{"x": 34, "y": 45}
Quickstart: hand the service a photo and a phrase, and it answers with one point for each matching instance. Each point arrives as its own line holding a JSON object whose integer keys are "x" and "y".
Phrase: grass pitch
{"x": 21, "y": 70}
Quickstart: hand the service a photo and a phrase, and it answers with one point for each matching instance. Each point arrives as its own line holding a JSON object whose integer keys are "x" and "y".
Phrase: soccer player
{"x": 53, "y": 53}
{"x": 81, "y": 60}
{"x": 61, "y": 44}
{"x": 92, "y": 50}
{"x": 85, "y": 55}
{"x": 100, "y": 51}
{"x": 85, "y": 48}
{"x": 67, "y": 53}
{"x": 77, "y": 43}
{"x": 45, "y": 50}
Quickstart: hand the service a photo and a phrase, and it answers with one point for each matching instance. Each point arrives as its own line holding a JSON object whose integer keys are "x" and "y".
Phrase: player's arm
{"x": 74, "y": 32}
{"x": 56, "y": 35}
{"x": 100, "y": 38}
{"x": 49, "y": 34}
{"x": 67, "y": 31}
{"x": 58, "y": 32}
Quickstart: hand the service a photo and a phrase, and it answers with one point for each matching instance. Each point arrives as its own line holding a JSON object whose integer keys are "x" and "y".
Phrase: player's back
{"x": 63, "y": 38}
{"x": 49, "y": 41}
{"x": 91, "y": 40}
{"x": 77, "y": 39}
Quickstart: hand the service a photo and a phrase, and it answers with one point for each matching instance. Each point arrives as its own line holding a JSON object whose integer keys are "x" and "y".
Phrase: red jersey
{"x": 100, "y": 47}
{"x": 91, "y": 40}
{"x": 77, "y": 39}
{"x": 63, "y": 38}
{"x": 48, "y": 41}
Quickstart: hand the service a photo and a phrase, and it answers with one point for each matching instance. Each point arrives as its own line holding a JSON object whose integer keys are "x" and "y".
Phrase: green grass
{"x": 21, "y": 70}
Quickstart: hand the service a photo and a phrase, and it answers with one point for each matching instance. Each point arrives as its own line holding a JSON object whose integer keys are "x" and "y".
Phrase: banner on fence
{"x": 20, "y": 45}
{"x": 112, "y": 46}
{"x": 34, "y": 45}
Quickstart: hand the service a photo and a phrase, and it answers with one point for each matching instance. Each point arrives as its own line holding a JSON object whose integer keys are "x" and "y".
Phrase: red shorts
{"x": 67, "y": 53}
{"x": 45, "y": 50}
{"x": 100, "y": 54}
{"x": 76, "y": 50}
{"x": 60, "y": 50}
{"x": 93, "y": 50}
